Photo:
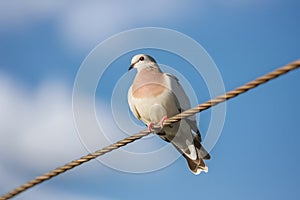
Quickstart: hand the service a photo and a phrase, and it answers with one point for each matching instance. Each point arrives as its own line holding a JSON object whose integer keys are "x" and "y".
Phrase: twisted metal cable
{"x": 74, "y": 163}
{"x": 231, "y": 94}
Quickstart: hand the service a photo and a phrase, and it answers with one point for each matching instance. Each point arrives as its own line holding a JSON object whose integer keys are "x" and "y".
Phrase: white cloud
{"x": 35, "y": 125}
{"x": 89, "y": 23}
{"x": 22, "y": 13}
{"x": 83, "y": 24}
{"x": 38, "y": 134}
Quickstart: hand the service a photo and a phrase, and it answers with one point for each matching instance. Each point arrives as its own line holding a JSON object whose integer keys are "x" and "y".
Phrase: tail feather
{"x": 198, "y": 165}
{"x": 189, "y": 145}
{"x": 200, "y": 149}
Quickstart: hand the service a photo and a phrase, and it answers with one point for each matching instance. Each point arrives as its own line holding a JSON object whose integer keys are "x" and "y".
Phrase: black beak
{"x": 131, "y": 66}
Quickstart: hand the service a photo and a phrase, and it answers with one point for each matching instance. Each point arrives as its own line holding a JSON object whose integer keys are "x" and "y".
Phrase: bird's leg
{"x": 163, "y": 120}
{"x": 150, "y": 126}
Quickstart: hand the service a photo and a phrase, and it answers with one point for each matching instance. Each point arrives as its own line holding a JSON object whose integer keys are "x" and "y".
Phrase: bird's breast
{"x": 148, "y": 84}
{"x": 148, "y": 91}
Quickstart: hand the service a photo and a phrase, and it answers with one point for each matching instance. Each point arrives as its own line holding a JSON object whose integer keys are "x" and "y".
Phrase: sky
{"x": 45, "y": 46}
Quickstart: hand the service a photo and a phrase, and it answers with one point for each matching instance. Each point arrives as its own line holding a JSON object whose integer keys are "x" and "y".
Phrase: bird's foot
{"x": 150, "y": 126}
{"x": 161, "y": 123}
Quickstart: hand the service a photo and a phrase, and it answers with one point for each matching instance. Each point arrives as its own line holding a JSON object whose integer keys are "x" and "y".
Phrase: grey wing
{"x": 183, "y": 102}
{"x": 131, "y": 104}
{"x": 182, "y": 99}
{"x": 183, "y": 139}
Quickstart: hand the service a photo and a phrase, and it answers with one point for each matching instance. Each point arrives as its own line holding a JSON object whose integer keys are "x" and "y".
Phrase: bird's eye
{"x": 141, "y": 58}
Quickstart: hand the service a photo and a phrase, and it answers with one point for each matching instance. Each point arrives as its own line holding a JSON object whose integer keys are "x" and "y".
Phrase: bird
{"x": 153, "y": 97}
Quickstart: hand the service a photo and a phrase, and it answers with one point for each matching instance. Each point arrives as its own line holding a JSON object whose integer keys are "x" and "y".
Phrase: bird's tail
{"x": 198, "y": 165}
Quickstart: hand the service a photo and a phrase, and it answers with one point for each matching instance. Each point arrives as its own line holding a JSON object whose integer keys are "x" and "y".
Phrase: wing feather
{"x": 182, "y": 100}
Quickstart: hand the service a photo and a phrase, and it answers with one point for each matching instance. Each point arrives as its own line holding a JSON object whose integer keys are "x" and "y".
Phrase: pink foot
{"x": 163, "y": 120}
{"x": 150, "y": 126}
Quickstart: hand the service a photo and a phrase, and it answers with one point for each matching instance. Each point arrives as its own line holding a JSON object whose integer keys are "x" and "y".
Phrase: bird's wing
{"x": 182, "y": 100}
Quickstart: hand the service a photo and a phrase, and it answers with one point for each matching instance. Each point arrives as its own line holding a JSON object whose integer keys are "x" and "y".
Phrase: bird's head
{"x": 142, "y": 61}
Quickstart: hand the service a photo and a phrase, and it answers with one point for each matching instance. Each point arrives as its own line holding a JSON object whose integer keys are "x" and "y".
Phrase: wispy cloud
{"x": 84, "y": 24}
{"x": 35, "y": 125}
{"x": 38, "y": 134}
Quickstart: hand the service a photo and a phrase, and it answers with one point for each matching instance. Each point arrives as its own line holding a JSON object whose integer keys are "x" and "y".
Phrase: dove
{"x": 153, "y": 97}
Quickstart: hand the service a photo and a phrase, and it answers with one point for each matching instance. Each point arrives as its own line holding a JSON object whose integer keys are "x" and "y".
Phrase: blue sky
{"x": 42, "y": 46}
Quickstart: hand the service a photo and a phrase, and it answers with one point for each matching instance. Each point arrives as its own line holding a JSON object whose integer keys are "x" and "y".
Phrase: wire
{"x": 229, "y": 95}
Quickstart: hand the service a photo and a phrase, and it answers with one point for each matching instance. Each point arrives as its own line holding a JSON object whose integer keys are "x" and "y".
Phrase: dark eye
{"x": 141, "y": 58}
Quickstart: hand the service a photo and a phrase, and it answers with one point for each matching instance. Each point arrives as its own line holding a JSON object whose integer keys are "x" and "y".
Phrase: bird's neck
{"x": 148, "y": 68}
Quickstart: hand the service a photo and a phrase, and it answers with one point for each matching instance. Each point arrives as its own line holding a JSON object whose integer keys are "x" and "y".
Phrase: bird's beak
{"x": 132, "y": 65}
